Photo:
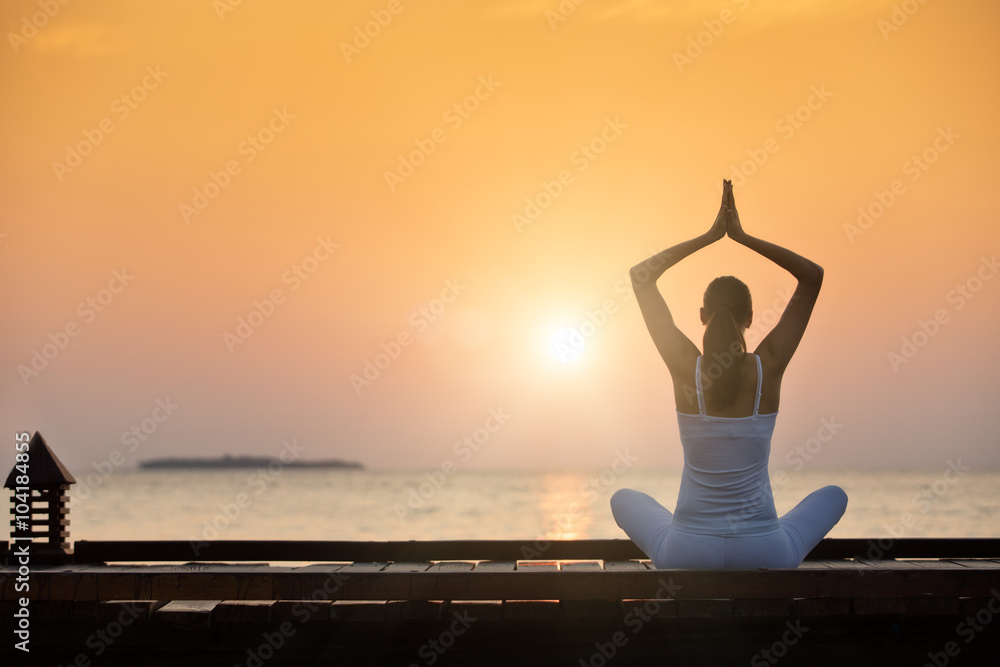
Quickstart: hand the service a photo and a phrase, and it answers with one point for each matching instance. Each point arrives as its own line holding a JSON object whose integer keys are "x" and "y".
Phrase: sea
{"x": 343, "y": 504}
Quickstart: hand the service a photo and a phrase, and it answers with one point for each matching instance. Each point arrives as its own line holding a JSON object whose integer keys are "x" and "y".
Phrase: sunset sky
{"x": 218, "y": 217}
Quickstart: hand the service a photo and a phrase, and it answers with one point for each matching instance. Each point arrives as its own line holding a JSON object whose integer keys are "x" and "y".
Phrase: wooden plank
{"x": 358, "y": 610}
{"x": 615, "y": 549}
{"x": 125, "y": 611}
{"x": 649, "y": 608}
{"x": 762, "y": 608}
{"x": 300, "y": 611}
{"x": 490, "y": 611}
{"x": 496, "y": 566}
{"x": 532, "y": 610}
{"x": 186, "y": 614}
{"x": 932, "y": 605}
{"x": 575, "y": 609}
{"x": 452, "y": 566}
{"x": 878, "y": 606}
{"x": 581, "y": 566}
{"x": 407, "y": 610}
{"x": 243, "y": 611}
{"x": 708, "y": 608}
{"x": 537, "y": 566}
{"x": 622, "y": 565}
{"x": 542, "y": 585}
{"x": 354, "y": 568}
{"x": 821, "y": 607}
{"x": 406, "y": 567}
{"x": 979, "y": 563}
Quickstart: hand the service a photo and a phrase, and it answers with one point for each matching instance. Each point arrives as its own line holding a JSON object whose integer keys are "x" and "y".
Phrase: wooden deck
{"x": 425, "y": 603}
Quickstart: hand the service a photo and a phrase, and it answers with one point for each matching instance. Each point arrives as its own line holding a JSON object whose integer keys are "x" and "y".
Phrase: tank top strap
{"x": 697, "y": 386}
{"x": 756, "y": 403}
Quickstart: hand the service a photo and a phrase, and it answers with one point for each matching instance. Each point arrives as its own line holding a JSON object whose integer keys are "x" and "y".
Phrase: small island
{"x": 229, "y": 462}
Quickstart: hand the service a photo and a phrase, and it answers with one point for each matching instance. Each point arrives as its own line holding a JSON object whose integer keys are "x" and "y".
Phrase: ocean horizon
{"x": 347, "y": 504}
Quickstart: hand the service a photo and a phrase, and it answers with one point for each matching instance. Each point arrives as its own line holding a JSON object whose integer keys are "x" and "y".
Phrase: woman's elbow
{"x": 641, "y": 276}
{"x": 815, "y": 274}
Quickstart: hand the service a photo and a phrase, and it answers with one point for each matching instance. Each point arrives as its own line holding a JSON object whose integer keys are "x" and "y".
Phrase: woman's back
{"x": 725, "y": 487}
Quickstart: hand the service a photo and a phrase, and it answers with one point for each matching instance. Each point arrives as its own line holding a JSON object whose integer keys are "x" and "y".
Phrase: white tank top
{"x": 725, "y": 489}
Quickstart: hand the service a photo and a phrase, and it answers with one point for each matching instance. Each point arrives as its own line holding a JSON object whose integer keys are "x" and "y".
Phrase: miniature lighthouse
{"x": 40, "y": 502}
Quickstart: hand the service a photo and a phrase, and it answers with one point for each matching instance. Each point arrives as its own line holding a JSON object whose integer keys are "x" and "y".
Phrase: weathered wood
{"x": 878, "y": 606}
{"x": 974, "y": 563}
{"x": 622, "y": 565}
{"x": 821, "y": 607}
{"x": 531, "y": 610}
{"x": 708, "y": 608}
{"x": 242, "y": 611}
{"x": 932, "y": 605}
{"x": 762, "y": 608}
{"x": 496, "y": 566}
{"x": 581, "y": 566}
{"x": 358, "y": 610}
{"x": 410, "y": 610}
{"x": 159, "y": 583}
{"x": 490, "y": 611}
{"x": 300, "y": 611}
{"x": 452, "y": 566}
{"x": 618, "y": 549}
{"x": 125, "y": 611}
{"x": 185, "y": 614}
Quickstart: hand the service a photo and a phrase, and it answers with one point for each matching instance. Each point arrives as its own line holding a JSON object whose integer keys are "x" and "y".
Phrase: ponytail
{"x": 727, "y": 300}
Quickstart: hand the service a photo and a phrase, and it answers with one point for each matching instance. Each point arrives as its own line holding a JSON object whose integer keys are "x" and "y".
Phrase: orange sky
{"x": 121, "y": 119}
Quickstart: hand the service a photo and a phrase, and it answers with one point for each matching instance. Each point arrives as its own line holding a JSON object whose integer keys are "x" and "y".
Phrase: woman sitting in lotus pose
{"x": 727, "y": 403}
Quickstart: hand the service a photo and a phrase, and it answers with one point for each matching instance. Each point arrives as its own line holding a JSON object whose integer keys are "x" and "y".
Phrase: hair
{"x": 727, "y": 305}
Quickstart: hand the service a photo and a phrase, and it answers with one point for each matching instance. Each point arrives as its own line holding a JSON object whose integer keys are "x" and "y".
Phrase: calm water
{"x": 386, "y": 505}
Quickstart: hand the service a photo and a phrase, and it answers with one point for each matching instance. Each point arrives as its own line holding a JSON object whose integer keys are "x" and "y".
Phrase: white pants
{"x": 648, "y": 524}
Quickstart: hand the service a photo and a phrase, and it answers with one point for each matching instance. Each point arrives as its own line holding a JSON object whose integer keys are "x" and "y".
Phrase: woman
{"x": 727, "y": 403}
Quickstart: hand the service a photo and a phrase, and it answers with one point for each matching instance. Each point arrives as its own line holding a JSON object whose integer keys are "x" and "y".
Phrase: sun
{"x": 566, "y": 345}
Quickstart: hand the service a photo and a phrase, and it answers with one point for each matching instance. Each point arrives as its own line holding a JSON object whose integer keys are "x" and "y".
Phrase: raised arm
{"x": 670, "y": 341}
{"x": 780, "y": 344}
